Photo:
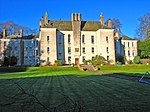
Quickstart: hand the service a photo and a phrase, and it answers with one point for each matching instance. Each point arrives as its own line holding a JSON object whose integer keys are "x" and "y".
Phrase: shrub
{"x": 118, "y": 63}
{"x": 58, "y": 62}
{"x": 47, "y": 64}
{"x": 137, "y": 59}
{"x": 130, "y": 62}
{"x": 85, "y": 62}
{"x": 97, "y": 60}
{"x": 121, "y": 59}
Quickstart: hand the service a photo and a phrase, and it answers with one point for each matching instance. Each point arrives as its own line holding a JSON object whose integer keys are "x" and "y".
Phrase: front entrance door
{"x": 76, "y": 61}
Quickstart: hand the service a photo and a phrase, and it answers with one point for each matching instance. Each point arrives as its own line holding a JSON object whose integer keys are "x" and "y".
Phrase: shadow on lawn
{"x": 13, "y": 69}
{"x": 128, "y": 76}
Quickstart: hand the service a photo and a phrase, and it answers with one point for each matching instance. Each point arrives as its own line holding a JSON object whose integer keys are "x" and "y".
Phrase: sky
{"x": 29, "y": 12}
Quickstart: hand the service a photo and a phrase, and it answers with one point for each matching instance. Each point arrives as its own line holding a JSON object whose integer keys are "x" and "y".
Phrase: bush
{"x": 58, "y": 62}
{"x": 118, "y": 63}
{"x": 85, "y": 62}
{"x": 47, "y": 64}
{"x": 121, "y": 59}
{"x": 137, "y": 59}
{"x": 130, "y": 62}
{"x": 98, "y": 60}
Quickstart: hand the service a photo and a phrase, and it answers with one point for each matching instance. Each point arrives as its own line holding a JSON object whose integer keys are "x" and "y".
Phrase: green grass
{"x": 74, "y": 93}
{"x": 43, "y": 71}
{"x": 128, "y": 69}
{"x": 64, "y": 89}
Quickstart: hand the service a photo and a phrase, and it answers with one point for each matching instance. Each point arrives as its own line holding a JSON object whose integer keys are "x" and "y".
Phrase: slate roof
{"x": 67, "y": 25}
{"x": 127, "y": 38}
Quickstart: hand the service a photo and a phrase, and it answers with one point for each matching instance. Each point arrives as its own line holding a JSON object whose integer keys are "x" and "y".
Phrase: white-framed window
{"x": 69, "y": 38}
{"x": 83, "y": 49}
{"x": 83, "y": 38}
{"x": 48, "y": 49}
{"x": 107, "y": 50}
{"x": 128, "y": 52}
{"x": 107, "y": 39}
{"x": 48, "y": 38}
{"x": 128, "y": 44}
{"x": 69, "y": 59}
{"x": 92, "y": 50}
{"x": 92, "y": 39}
{"x": 107, "y": 58}
{"x": 132, "y": 44}
{"x": 69, "y": 50}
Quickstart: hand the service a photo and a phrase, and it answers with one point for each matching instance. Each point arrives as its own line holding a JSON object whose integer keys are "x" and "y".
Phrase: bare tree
{"x": 143, "y": 30}
{"x": 13, "y": 27}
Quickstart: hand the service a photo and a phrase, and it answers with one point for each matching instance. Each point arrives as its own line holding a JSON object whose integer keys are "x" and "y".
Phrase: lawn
{"x": 127, "y": 69}
{"x": 43, "y": 71}
{"x": 66, "y": 89}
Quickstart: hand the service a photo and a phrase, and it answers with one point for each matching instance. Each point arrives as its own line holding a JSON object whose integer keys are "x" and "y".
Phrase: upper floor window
{"x": 69, "y": 38}
{"x": 4, "y": 43}
{"x": 48, "y": 49}
{"x": 107, "y": 39}
{"x": 48, "y": 38}
{"x": 124, "y": 43}
{"x": 128, "y": 52}
{"x": 83, "y": 49}
{"x": 128, "y": 44}
{"x": 92, "y": 49}
{"x": 92, "y": 39}
{"x": 107, "y": 50}
{"x": 69, "y": 49}
{"x": 83, "y": 38}
{"x": 132, "y": 44}
{"x": 132, "y": 53}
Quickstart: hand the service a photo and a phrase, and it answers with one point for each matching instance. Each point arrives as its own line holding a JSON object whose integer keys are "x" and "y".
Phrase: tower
{"x": 76, "y": 27}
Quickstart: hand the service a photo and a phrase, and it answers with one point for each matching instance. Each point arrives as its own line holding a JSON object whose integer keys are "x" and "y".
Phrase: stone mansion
{"x": 76, "y": 40}
{"x": 71, "y": 41}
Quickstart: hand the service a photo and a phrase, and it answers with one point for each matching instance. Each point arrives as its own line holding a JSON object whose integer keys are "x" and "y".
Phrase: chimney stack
{"x": 76, "y": 17}
{"x": 21, "y": 32}
{"x": 110, "y": 23}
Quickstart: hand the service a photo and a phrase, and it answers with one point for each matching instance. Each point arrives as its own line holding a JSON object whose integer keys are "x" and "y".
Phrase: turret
{"x": 102, "y": 19}
{"x": 46, "y": 18}
{"x": 42, "y": 22}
